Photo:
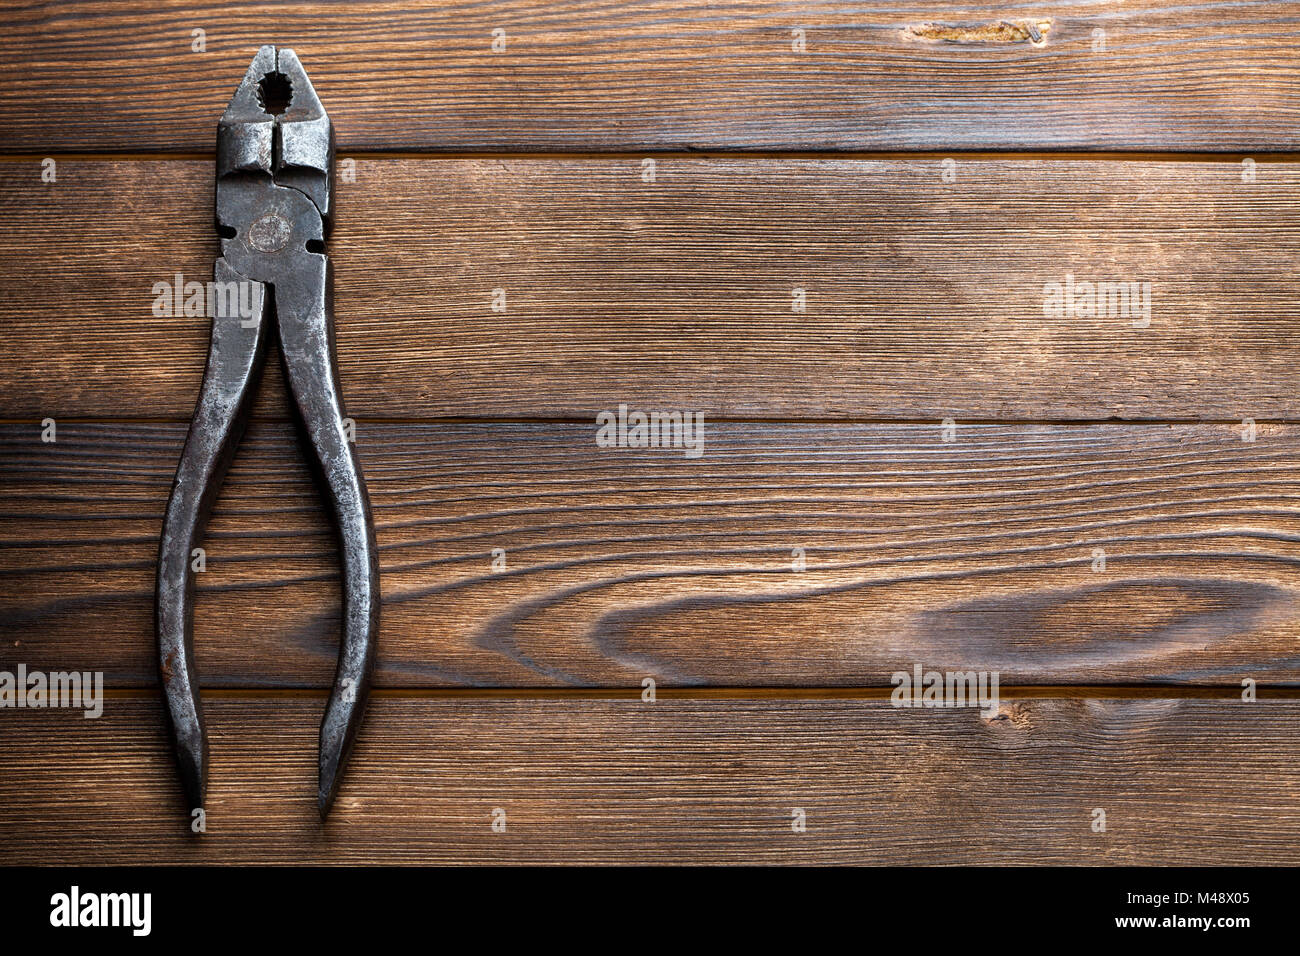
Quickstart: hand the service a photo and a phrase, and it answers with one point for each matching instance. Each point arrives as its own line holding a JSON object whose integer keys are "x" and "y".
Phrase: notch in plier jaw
{"x": 275, "y": 124}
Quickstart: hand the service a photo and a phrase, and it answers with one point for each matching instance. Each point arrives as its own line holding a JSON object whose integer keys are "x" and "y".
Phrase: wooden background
{"x": 1111, "y": 147}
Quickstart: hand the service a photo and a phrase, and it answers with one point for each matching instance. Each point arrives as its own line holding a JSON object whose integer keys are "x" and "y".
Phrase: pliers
{"x": 274, "y": 201}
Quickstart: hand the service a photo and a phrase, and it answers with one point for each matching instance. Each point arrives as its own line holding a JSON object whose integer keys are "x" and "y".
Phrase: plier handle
{"x": 275, "y": 154}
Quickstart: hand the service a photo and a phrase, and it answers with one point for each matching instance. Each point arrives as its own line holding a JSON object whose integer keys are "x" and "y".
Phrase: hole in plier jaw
{"x": 274, "y": 93}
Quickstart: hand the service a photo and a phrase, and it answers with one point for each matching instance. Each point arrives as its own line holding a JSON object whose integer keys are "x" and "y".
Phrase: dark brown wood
{"x": 673, "y": 781}
{"x": 695, "y": 74}
{"x": 925, "y": 299}
{"x": 829, "y": 535}
{"x": 622, "y": 564}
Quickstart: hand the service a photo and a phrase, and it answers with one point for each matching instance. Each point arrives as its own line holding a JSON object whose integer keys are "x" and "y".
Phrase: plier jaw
{"x": 275, "y": 124}
{"x": 275, "y": 149}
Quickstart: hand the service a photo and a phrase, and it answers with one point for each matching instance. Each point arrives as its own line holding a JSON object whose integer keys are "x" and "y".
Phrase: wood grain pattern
{"x": 925, "y": 300}
{"x": 675, "y": 781}
{"x": 622, "y": 564}
{"x": 694, "y": 74}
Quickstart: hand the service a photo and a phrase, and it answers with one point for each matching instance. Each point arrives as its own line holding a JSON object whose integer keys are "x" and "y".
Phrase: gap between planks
{"x": 1009, "y": 422}
{"x": 1023, "y": 692}
{"x": 623, "y": 155}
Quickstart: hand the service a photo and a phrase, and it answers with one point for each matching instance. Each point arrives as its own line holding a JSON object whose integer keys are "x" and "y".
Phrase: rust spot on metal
{"x": 1000, "y": 31}
{"x": 168, "y": 664}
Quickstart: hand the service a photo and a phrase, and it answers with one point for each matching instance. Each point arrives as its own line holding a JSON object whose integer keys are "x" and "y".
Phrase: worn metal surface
{"x": 275, "y": 150}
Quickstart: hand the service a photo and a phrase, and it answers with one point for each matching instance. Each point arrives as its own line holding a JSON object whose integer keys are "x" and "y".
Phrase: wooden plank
{"x": 627, "y": 563}
{"x": 654, "y": 75}
{"x": 599, "y": 781}
{"x": 924, "y": 299}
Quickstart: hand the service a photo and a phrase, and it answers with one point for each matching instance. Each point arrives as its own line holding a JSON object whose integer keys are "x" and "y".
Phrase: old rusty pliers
{"x": 275, "y": 153}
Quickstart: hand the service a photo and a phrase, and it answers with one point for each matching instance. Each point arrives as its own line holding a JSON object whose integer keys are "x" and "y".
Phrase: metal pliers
{"x": 274, "y": 199}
